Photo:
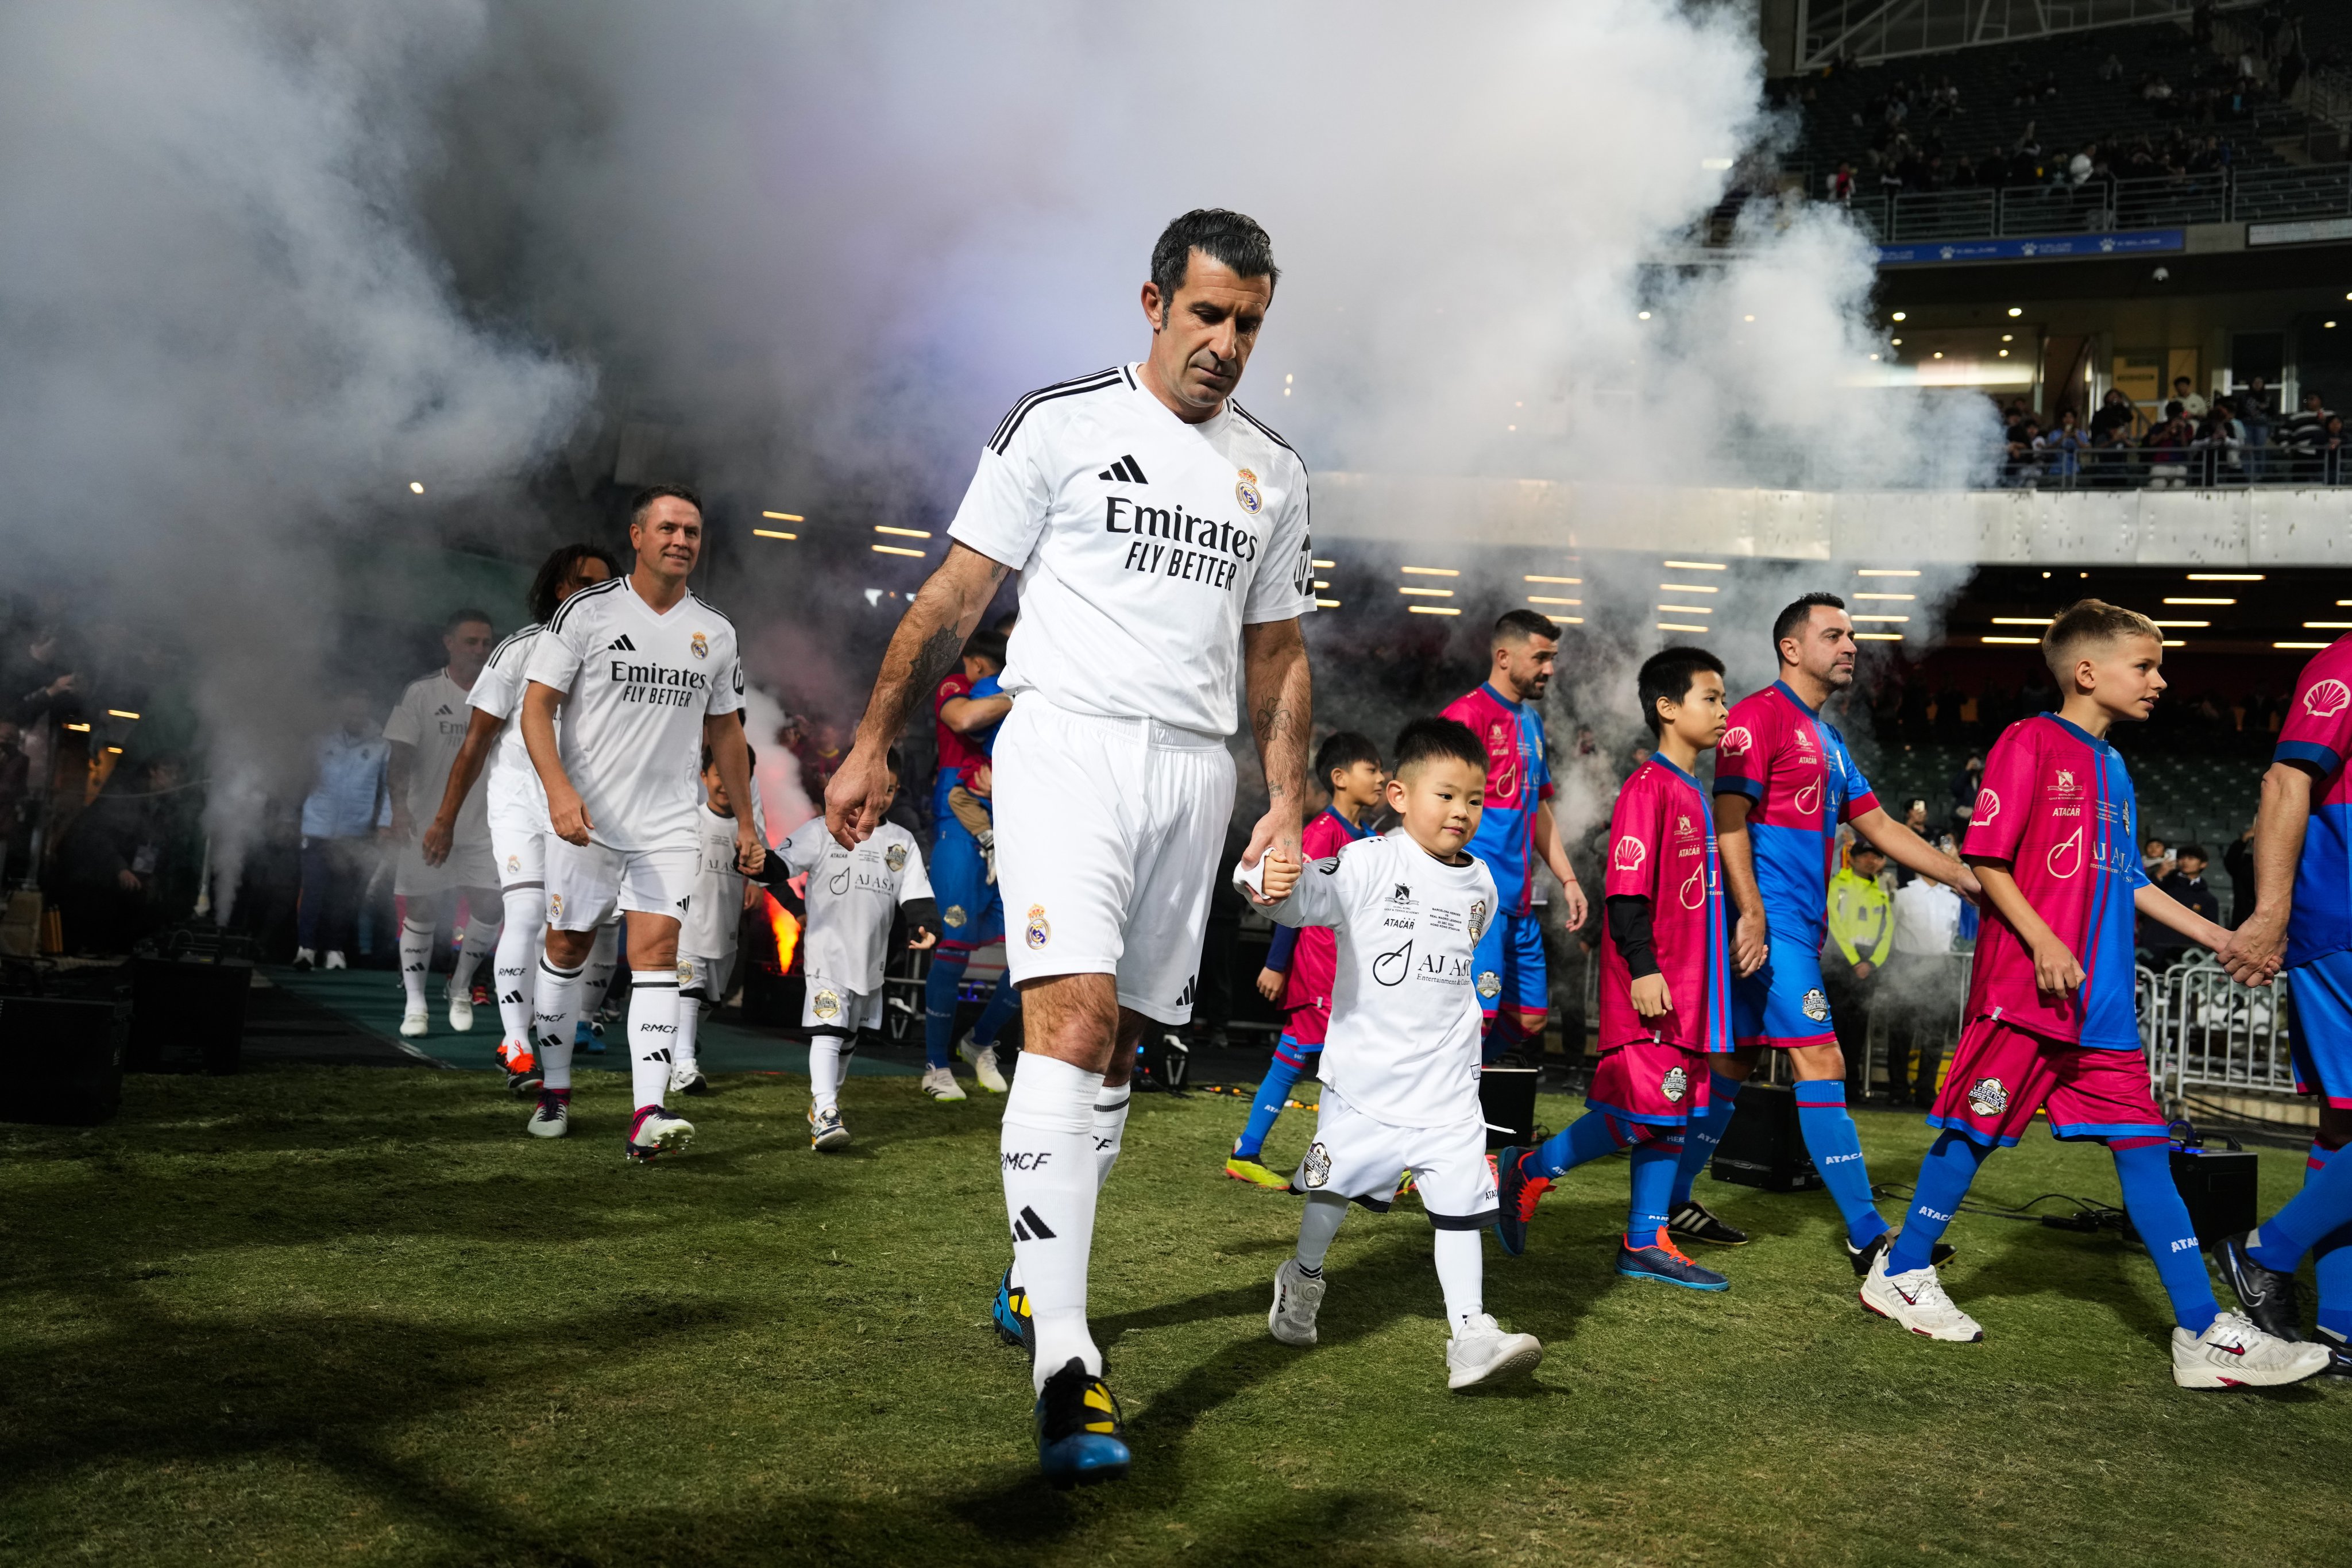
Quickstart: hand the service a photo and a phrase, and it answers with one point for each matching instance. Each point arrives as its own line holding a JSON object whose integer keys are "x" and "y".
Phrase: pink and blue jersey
{"x": 2317, "y": 735}
{"x": 1518, "y": 781}
{"x": 1801, "y": 783}
{"x": 1661, "y": 847}
{"x": 2056, "y": 807}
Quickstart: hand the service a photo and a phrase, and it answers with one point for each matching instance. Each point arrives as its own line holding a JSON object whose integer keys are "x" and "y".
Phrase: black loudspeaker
{"x": 1507, "y": 1098}
{"x": 188, "y": 1005}
{"x": 61, "y": 1061}
{"x": 1763, "y": 1147}
{"x": 2218, "y": 1185}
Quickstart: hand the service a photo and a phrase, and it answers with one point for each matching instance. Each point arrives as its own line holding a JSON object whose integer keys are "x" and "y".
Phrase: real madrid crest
{"x": 1041, "y": 931}
{"x": 1246, "y": 493}
{"x": 701, "y": 646}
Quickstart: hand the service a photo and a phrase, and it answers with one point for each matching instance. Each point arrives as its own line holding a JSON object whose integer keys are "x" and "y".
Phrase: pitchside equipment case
{"x": 2219, "y": 1186}
{"x": 1507, "y": 1098}
{"x": 61, "y": 1058}
{"x": 1763, "y": 1147}
{"x": 188, "y": 997}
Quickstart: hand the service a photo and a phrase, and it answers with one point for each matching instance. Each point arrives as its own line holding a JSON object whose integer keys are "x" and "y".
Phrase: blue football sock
{"x": 1835, "y": 1145}
{"x": 2331, "y": 1259}
{"x": 1588, "y": 1137}
{"x": 1001, "y": 1002}
{"x": 1945, "y": 1176}
{"x": 1702, "y": 1135}
{"x": 939, "y": 995}
{"x": 1654, "y": 1179}
{"x": 2323, "y": 1206}
{"x": 2162, "y": 1221}
{"x": 1287, "y": 1066}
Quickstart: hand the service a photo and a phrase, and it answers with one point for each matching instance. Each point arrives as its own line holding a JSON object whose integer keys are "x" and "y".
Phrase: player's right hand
{"x": 855, "y": 794}
{"x": 437, "y": 838}
{"x": 2254, "y": 949}
{"x": 1270, "y": 983}
{"x": 1650, "y": 998}
{"x": 569, "y": 818}
{"x": 2056, "y": 970}
{"x": 1751, "y": 943}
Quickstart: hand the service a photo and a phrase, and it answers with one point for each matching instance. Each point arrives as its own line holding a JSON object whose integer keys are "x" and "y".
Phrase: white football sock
{"x": 1110, "y": 1129}
{"x": 1462, "y": 1274}
{"x": 653, "y": 1033}
{"x": 1046, "y": 1150}
{"x": 516, "y": 975}
{"x": 603, "y": 959}
{"x": 416, "y": 958}
{"x": 483, "y": 918}
{"x": 826, "y": 1069}
{"x": 554, "y": 1014}
{"x": 1317, "y": 1226}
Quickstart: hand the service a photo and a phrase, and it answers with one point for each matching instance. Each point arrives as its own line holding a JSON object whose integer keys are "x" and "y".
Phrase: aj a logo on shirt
{"x": 1390, "y": 968}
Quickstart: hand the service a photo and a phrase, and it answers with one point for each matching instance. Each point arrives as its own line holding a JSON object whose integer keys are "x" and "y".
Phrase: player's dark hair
{"x": 2086, "y": 624}
{"x": 1222, "y": 236}
{"x": 460, "y": 618}
{"x": 1436, "y": 740}
{"x": 1519, "y": 626}
{"x": 1785, "y": 623}
{"x": 710, "y": 758}
{"x": 2192, "y": 852}
{"x": 1668, "y": 675}
{"x": 1341, "y": 752}
{"x": 564, "y": 563}
{"x": 652, "y": 493}
{"x": 987, "y": 644}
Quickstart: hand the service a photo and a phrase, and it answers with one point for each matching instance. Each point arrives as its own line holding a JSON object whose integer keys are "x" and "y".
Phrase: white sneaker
{"x": 825, "y": 1129}
{"x": 461, "y": 1012}
{"x": 305, "y": 959}
{"x": 2233, "y": 1353}
{"x": 983, "y": 1064}
{"x": 939, "y": 1084}
{"x": 1296, "y": 1298}
{"x": 1480, "y": 1351}
{"x": 659, "y": 1132}
{"x": 685, "y": 1078}
{"x": 552, "y": 1117}
{"x": 1916, "y": 1300}
{"x": 414, "y": 1022}
{"x": 335, "y": 960}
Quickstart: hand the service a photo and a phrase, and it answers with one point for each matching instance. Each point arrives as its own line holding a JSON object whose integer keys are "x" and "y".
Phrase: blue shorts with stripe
{"x": 971, "y": 909}
{"x": 1783, "y": 1004}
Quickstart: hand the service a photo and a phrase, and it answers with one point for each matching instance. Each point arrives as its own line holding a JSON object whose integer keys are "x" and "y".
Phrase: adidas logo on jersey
{"x": 1127, "y": 469}
{"x": 621, "y": 645}
{"x": 442, "y": 712}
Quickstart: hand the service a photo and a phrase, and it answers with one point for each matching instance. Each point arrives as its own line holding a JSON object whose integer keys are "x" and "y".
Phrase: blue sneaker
{"x": 1516, "y": 1194}
{"x": 1080, "y": 1439}
{"x": 1664, "y": 1262}
{"x": 586, "y": 1038}
{"x": 1011, "y": 1315}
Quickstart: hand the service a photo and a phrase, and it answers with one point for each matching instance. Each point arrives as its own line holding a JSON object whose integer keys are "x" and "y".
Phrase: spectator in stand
{"x": 2238, "y": 860}
{"x": 2184, "y": 393}
{"x": 2062, "y": 449}
{"x": 1841, "y": 184}
{"x": 1861, "y": 930}
{"x": 1920, "y": 992}
{"x": 2156, "y": 859}
{"x": 2116, "y": 414}
{"x": 2022, "y": 467}
{"x": 2165, "y": 451}
{"x": 350, "y": 807}
{"x": 2257, "y": 409}
{"x": 2186, "y": 885}
{"x": 1915, "y": 818}
{"x": 1963, "y": 787}
{"x": 2305, "y": 436}
{"x": 2220, "y": 447}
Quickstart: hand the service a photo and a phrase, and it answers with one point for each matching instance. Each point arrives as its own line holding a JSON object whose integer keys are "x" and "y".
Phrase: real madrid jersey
{"x": 853, "y": 895}
{"x": 1144, "y": 546}
{"x": 431, "y": 717}
{"x": 637, "y": 686}
{"x": 716, "y": 911}
{"x": 1404, "y": 1041}
{"x": 512, "y": 782}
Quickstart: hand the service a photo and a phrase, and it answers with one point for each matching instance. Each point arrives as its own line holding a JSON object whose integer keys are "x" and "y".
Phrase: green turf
{"x": 321, "y": 1315}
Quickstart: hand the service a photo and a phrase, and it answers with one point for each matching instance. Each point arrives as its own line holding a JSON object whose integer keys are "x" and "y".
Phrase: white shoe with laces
{"x": 461, "y": 1012}
{"x": 416, "y": 1021}
{"x": 1297, "y": 1297}
{"x": 1480, "y": 1351}
{"x": 983, "y": 1060}
{"x": 2233, "y": 1353}
{"x": 939, "y": 1084}
{"x": 825, "y": 1128}
{"x": 1917, "y": 1302}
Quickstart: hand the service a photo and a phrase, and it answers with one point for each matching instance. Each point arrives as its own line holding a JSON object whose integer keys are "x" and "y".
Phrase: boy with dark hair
{"x": 1300, "y": 965}
{"x": 2051, "y": 1020}
{"x": 1401, "y": 1069}
{"x": 1666, "y": 982}
{"x": 713, "y": 917}
{"x": 966, "y": 708}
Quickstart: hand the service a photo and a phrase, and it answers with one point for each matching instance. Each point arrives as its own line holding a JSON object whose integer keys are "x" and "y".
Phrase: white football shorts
{"x": 519, "y": 844}
{"x": 469, "y": 866}
{"x": 1357, "y": 1157}
{"x": 1108, "y": 832}
{"x": 831, "y": 1006}
{"x": 586, "y": 886}
{"x": 705, "y": 974}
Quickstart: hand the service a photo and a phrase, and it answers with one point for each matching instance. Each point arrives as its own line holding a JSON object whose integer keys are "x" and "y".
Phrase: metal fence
{"x": 2190, "y": 465}
{"x": 2100, "y": 206}
{"x": 2208, "y": 1035}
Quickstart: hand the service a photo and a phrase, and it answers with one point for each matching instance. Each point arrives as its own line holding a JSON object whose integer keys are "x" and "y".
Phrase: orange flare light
{"x": 787, "y": 931}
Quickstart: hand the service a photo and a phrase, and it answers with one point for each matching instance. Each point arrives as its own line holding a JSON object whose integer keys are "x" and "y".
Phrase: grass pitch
{"x": 314, "y": 1315}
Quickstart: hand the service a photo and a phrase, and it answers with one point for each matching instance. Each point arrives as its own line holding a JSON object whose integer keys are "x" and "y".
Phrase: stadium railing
{"x": 2099, "y": 206}
{"x": 2207, "y": 1035}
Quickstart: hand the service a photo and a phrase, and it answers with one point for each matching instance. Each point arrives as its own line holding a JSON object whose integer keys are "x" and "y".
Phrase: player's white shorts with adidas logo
{"x": 1355, "y": 1156}
{"x": 1107, "y": 837}
{"x": 469, "y": 866}
{"x": 585, "y": 885}
{"x": 518, "y": 843}
{"x": 831, "y": 1006}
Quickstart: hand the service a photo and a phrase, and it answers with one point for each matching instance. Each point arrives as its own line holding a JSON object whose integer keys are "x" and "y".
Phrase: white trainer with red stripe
{"x": 2233, "y": 1353}
{"x": 1916, "y": 1300}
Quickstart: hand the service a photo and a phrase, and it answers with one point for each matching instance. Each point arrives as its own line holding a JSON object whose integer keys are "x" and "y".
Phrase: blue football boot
{"x": 1080, "y": 1440}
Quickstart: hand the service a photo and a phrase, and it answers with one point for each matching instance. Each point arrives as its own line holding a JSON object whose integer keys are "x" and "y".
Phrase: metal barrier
{"x": 2205, "y": 1032}
{"x": 2098, "y": 206}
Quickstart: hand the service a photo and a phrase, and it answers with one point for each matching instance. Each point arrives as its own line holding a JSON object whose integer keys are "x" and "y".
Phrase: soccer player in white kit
{"x": 426, "y": 728}
{"x": 516, "y": 804}
{"x": 1160, "y": 533}
{"x": 646, "y": 675}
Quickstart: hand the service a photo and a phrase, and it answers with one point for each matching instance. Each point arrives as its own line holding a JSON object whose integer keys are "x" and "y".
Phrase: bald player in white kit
{"x": 1161, "y": 537}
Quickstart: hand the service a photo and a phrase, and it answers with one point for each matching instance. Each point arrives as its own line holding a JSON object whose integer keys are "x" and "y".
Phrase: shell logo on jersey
{"x": 1735, "y": 742}
{"x": 1390, "y": 968}
{"x": 955, "y": 917}
{"x": 1629, "y": 854}
{"x": 826, "y": 1006}
{"x": 700, "y": 645}
{"x": 1316, "y": 1169}
{"x": 2066, "y": 854}
{"x": 894, "y": 858}
{"x": 1816, "y": 1004}
{"x": 1987, "y": 1097}
{"x": 1808, "y": 798}
{"x": 1041, "y": 930}
{"x": 1490, "y": 985}
{"x": 1674, "y": 1085}
{"x": 1246, "y": 493}
{"x": 1987, "y": 807}
{"x": 2327, "y": 698}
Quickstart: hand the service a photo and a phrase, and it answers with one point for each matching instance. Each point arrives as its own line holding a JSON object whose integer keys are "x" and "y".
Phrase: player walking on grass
{"x": 1506, "y": 714}
{"x": 1401, "y": 1069}
{"x": 1161, "y": 537}
{"x": 1666, "y": 981}
{"x": 646, "y": 675}
{"x": 1301, "y": 965}
{"x": 426, "y": 728}
{"x": 514, "y": 804}
{"x": 967, "y": 709}
{"x": 706, "y": 936}
{"x": 1783, "y": 782}
{"x": 2050, "y": 1019}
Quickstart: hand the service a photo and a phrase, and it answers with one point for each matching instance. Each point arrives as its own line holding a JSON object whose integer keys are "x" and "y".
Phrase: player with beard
{"x": 517, "y": 804}
{"x": 426, "y": 728}
{"x": 1783, "y": 782}
{"x": 1160, "y": 533}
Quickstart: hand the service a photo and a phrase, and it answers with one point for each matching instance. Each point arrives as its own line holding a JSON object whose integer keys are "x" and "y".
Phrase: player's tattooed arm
{"x": 1281, "y": 704}
{"x": 930, "y": 638}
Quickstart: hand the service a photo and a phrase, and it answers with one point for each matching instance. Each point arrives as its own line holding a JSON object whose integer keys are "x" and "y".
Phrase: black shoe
{"x": 525, "y": 1084}
{"x": 2267, "y": 1295}
{"x": 1692, "y": 1220}
{"x": 1861, "y": 1257}
{"x": 2340, "y": 1354}
{"x": 1080, "y": 1438}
